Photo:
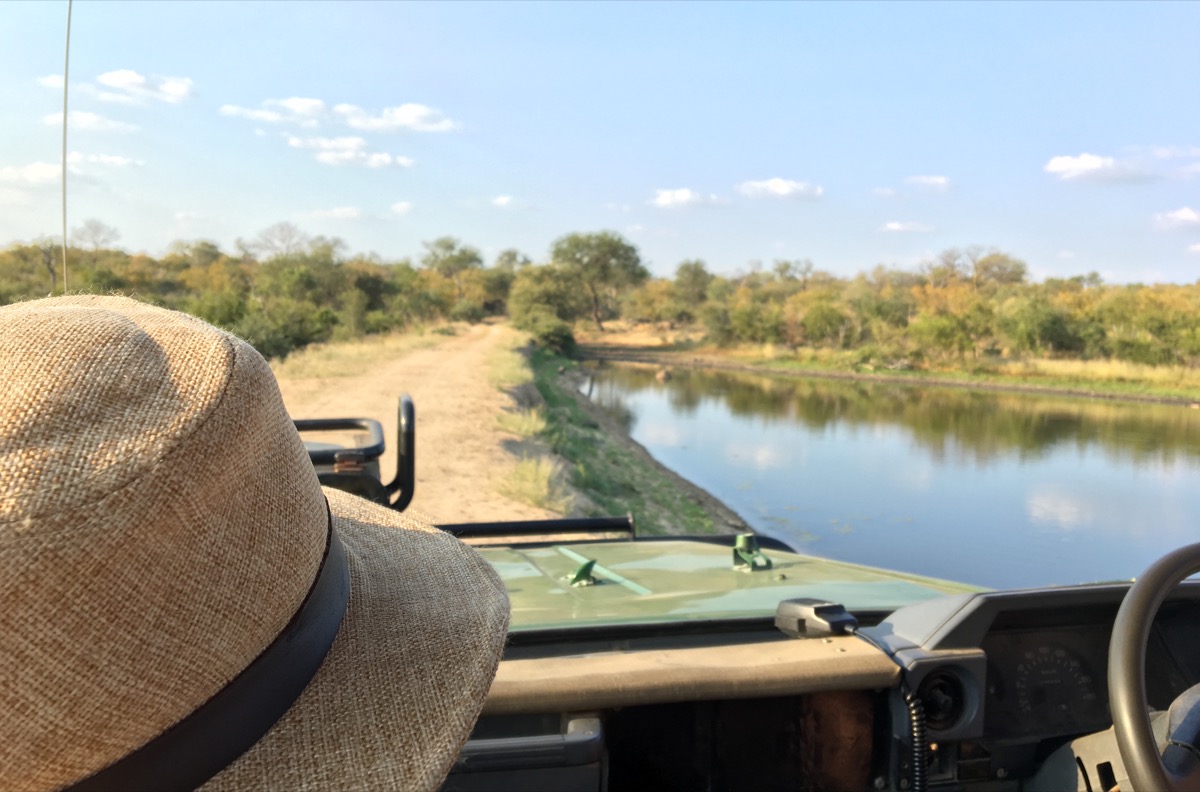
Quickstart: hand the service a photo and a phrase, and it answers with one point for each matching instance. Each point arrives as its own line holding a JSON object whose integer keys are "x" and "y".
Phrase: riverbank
{"x": 614, "y": 472}
{"x": 501, "y": 434}
{"x": 1086, "y": 379}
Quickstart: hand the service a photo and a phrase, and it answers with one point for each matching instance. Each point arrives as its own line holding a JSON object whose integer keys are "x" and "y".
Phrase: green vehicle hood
{"x": 673, "y": 581}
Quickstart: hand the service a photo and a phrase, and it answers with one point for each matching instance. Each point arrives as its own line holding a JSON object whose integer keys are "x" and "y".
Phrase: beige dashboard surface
{"x": 626, "y": 678}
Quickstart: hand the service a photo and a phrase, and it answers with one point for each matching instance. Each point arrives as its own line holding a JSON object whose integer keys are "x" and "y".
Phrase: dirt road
{"x": 461, "y": 453}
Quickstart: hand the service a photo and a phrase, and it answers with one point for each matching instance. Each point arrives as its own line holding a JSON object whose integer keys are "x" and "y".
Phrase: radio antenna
{"x": 66, "y": 82}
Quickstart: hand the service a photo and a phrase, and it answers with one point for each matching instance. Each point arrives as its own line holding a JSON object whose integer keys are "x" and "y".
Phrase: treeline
{"x": 281, "y": 291}
{"x": 965, "y": 305}
{"x": 284, "y": 290}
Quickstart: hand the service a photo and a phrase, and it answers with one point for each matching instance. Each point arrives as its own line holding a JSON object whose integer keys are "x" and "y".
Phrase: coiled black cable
{"x": 920, "y": 744}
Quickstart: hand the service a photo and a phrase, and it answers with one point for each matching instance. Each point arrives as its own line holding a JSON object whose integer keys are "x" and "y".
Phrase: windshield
{"x": 893, "y": 196}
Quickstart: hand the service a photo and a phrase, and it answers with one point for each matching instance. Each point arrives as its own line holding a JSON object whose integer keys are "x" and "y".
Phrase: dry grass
{"x": 625, "y": 333}
{"x": 1109, "y": 376}
{"x": 351, "y": 358}
{"x": 510, "y": 371}
{"x": 509, "y": 368}
{"x": 1105, "y": 371}
{"x": 538, "y": 481}
{"x": 524, "y": 423}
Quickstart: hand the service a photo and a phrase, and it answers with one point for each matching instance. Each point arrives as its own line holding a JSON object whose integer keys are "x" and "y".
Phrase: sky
{"x": 848, "y": 134}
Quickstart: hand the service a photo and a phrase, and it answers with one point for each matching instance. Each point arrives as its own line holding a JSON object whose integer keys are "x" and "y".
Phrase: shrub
{"x": 284, "y": 325}
{"x": 548, "y": 331}
{"x": 467, "y": 311}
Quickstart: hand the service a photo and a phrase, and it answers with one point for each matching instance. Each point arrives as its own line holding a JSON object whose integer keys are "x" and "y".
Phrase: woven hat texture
{"x": 160, "y": 524}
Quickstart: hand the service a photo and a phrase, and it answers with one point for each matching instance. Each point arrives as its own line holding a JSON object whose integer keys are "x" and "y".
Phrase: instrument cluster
{"x": 1053, "y": 681}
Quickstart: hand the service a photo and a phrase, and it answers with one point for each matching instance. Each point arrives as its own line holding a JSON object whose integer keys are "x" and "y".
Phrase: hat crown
{"x": 159, "y": 526}
{"x": 101, "y": 412}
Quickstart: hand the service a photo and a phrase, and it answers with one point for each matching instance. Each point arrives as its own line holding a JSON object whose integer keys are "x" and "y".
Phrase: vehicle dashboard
{"x": 1006, "y": 678}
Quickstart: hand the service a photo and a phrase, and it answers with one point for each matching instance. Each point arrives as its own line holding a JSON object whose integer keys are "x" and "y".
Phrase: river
{"x": 996, "y": 489}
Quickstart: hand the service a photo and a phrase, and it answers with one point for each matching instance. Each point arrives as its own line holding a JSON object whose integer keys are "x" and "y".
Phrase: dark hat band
{"x": 227, "y": 725}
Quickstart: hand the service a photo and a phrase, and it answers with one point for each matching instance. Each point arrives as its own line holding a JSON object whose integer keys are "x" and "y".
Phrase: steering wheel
{"x": 1127, "y": 674}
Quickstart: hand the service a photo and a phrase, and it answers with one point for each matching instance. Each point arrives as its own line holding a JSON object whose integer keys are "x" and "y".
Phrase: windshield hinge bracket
{"x": 747, "y": 557}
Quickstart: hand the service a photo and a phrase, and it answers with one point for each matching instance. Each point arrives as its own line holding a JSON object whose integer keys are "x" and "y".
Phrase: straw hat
{"x": 171, "y": 577}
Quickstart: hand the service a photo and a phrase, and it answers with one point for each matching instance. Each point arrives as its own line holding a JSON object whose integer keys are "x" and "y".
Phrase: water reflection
{"x": 992, "y": 488}
{"x": 975, "y": 425}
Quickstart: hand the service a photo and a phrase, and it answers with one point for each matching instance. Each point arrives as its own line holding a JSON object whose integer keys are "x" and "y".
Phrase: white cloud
{"x": 78, "y": 119}
{"x": 114, "y": 160}
{"x": 33, "y": 173}
{"x": 122, "y": 78}
{"x": 266, "y": 116}
{"x": 1094, "y": 168}
{"x": 416, "y": 117}
{"x": 383, "y": 160}
{"x": 332, "y": 151}
{"x": 184, "y": 216}
{"x": 309, "y": 112}
{"x": 1083, "y": 166}
{"x": 402, "y": 207}
{"x": 337, "y": 213}
{"x": 617, "y": 207}
{"x": 781, "y": 188}
{"x": 1190, "y": 170}
{"x": 174, "y": 89}
{"x": 1184, "y": 216}
{"x": 136, "y": 87}
{"x": 299, "y": 107}
{"x": 1066, "y": 255}
{"x": 884, "y": 192}
{"x": 682, "y": 196}
{"x": 636, "y": 228}
{"x": 897, "y": 227}
{"x": 934, "y": 182}
{"x": 1194, "y": 248}
{"x": 502, "y": 200}
{"x": 350, "y": 149}
{"x": 51, "y": 81}
{"x": 300, "y": 110}
{"x": 328, "y": 144}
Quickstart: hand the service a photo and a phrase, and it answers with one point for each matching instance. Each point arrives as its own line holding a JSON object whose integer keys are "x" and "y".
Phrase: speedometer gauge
{"x": 1055, "y": 687}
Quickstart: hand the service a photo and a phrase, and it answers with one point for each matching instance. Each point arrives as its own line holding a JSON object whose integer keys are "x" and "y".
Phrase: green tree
{"x": 691, "y": 282}
{"x": 800, "y": 270}
{"x": 602, "y": 263}
{"x": 451, "y": 259}
{"x": 511, "y": 260}
{"x": 653, "y": 301}
{"x": 998, "y": 268}
{"x": 547, "y": 288}
{"x": 714, "y": 313}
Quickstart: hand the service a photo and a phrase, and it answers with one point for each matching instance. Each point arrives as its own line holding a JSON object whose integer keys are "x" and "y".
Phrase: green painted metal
{"x": 672, "y": 581}
{"x": 603, "y": 571}
{"x": 747, "y": 556}
{"x": 583, "y": 575}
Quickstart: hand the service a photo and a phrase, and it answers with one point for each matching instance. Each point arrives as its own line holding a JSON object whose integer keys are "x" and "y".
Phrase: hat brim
{"x": 404, "y": 681}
